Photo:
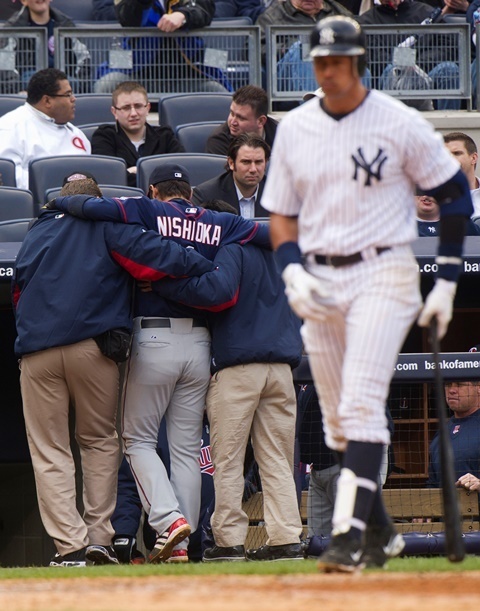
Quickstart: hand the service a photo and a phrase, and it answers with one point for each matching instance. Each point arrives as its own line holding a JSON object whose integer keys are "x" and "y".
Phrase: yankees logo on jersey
{"x": 372, "y": 169}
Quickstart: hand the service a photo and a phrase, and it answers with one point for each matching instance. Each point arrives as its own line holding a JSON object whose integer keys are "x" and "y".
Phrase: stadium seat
{"x": 15, "y": 230}
{"x": 201, "y": 166}
{"x": 16, "y": 204}
{"x": 90, "y": 128}
{"x": 92, "y": 108}
{"x": 48, "y": 172}
{"x": 194, "y": 136}
{"x": 9, "y": 102}
{"x": 107, "y": 190}
{"x": 7, "y": 173}
{"x": 194, "y": 107}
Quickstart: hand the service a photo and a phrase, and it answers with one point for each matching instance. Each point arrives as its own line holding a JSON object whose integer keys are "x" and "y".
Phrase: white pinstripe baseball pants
{"x": 353, "y": 353}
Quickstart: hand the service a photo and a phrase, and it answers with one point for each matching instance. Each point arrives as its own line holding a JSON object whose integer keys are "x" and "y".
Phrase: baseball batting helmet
{"x": 339, "y": 36}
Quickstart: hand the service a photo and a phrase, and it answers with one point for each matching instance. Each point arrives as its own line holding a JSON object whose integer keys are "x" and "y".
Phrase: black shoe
{"x": 216, "y": 553}
{"x": 73, "y": 559}
{"x": 101, "y": 554}
{"x": 343, "y": 555}
{"x": 272, "y": 553}
{"x": 381, "y": 543}
{"x": 126, "y": 549}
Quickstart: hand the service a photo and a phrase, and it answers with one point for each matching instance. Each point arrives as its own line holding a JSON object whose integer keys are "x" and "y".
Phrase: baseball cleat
{"x": 235, "y": 553}
{"x": 273, "y": 553}
{"x": 101, "y": 554}
{"x": 343, "y": 555}
{"x": 381, "y": 543}
{"x": 165, "y": 542}
{"x": 178, "y": 556}
{"x": 72, "y": 560}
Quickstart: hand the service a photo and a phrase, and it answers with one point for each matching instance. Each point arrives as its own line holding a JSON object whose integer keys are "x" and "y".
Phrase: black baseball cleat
{"x": 101, "y": 554}
{"x": 126, "y": 550}
{"x": 381, "y": 543}
{"x": 235, "y": 553}
{"x": 272, "y": 553}
{"x": 72, "y": 560}
{"x": 343, "y": 555}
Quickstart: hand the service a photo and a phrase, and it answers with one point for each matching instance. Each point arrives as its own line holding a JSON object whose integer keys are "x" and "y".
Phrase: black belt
{"x": 164, "y": 323}
{"x": 339, "y": 261}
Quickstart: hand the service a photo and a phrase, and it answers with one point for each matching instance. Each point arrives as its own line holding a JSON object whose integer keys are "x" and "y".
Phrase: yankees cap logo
{"x": 327, "y": 36}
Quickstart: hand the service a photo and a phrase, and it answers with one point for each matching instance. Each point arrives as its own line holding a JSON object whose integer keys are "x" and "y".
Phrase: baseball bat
{"x": 454, "y": 543}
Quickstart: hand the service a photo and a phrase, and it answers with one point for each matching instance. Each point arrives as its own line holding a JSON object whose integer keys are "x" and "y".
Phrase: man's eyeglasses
{"x": 68, "y": 94}
{"x": 130, "y": 107}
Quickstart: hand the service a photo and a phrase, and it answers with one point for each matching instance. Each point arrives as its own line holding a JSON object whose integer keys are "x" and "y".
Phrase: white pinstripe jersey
{"x": 351, "y": 182}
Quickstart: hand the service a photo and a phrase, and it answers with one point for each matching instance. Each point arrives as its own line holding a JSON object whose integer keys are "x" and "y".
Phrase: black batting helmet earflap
{"x": 339, "y": 36}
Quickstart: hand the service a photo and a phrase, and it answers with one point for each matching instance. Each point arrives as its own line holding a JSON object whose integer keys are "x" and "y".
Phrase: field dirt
{"x": 367, "y": 592}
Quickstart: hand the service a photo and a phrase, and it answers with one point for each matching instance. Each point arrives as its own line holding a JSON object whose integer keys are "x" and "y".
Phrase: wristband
{"x": 288, "y": 252}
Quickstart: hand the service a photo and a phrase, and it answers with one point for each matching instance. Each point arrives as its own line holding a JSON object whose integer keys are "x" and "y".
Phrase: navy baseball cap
{"x": 78, "y": 176}
{"x": 169, "y": 171}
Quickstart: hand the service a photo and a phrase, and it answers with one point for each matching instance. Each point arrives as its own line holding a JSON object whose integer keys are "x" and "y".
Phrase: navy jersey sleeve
{"x": 240, "y": 230}
{"x": 124, "y": 210}
{"x": 214, "y": 291}
{"x": 147, "y": 256}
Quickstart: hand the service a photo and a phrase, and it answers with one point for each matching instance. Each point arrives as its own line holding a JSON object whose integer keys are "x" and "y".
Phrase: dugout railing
{"x": 179, "y": 62}
{"x": 430, "y": 62}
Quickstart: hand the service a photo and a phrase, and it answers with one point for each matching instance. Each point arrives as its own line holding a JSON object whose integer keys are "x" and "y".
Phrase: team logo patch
{"x": 372, "y": 169}
{"x": 327, "y": 36}
{"x": 191, "y": 210}
{"x": 177, "y": 174}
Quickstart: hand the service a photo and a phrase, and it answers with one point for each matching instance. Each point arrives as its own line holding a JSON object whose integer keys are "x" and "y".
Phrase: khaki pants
{"x": 257, "y": 399}
{"x": 50, "y": 380}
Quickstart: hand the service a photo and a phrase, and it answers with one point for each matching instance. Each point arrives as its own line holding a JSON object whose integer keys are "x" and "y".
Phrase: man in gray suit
{"x": 242, "y": 183}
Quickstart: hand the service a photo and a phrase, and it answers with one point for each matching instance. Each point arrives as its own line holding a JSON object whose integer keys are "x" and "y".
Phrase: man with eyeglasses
{"x": 463, "y": 399}
{"x": 131, "y": 137}
{"x": 41, "y": 127}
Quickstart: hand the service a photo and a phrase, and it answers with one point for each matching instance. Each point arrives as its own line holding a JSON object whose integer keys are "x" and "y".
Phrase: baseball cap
{"x": 78, "y": 176}
{"x": 475, "y": 348}
{"x": 318, "y": 93}
{"x": 169, "y": 171}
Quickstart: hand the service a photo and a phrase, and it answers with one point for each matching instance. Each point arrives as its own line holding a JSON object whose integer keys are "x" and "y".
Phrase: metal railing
{"x": 210, "y": 59}
{"x": 412, "y": 62}
{"x": 23, "y": 51}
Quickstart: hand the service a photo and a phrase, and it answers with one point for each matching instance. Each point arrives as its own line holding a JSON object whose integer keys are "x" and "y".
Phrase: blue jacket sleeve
{"x": 147, "y": 256}
{"x": 243, "y": 230}
{"x": 214, "y": 291}
{"x": 123, "y": 210}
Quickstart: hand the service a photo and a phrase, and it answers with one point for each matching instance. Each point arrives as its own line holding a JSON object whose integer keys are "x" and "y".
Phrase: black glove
{"x": 51, "y": 204}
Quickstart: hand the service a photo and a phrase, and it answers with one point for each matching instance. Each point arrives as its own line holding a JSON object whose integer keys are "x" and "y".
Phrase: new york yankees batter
{"x": 341, "y": 193}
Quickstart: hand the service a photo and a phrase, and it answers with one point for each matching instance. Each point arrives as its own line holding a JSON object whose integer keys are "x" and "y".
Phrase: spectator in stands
{"x": 464, "y": 149}
{"x": 38, "y": 13}
{"x": 433, "y": 70}
{"x": 75, "y": 273}
{"x": 251, "y": 392}
{"x": 173, "y": 64}
{"x": 41, "y": 127}
{"x": 248, "y": 113}
{"x": 241, "y": 185}
{"x": 103, "y": 10}
{"x": 299, "y": 12}
{"x": 239, "y": 8}
{"x": 132, "y": 137}
{"x": 428, "y": 218}
{"x": 463, "y": 399}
